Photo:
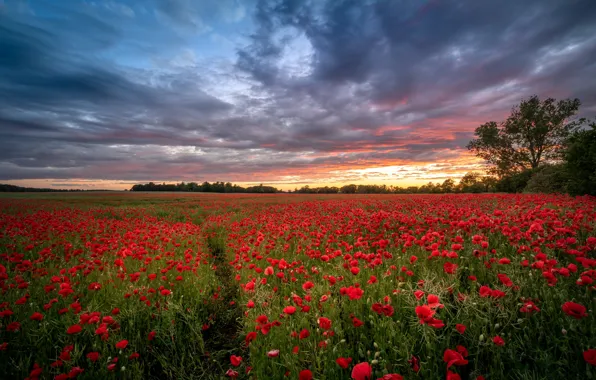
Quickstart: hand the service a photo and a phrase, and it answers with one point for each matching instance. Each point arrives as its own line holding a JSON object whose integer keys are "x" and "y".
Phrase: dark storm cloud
{"x": 427, "y": 52}
{"x": 315, "y": 86}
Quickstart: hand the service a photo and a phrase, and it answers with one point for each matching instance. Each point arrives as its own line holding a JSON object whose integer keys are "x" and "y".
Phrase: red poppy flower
{"x": 449, "y": 268}
{"x": 460, "y": 328}
{"x": 307, "y": 286}
{"x": 235, "y": 360}
{"x": 574, "y": 310}
{"x": 305, "y": 374}
{"x": 354, "y": 293}
{"x": 122, "y": 344}
{"x": 262, "y": 319}
{"x": 74, "y": 372}
{"x": 498, "y": 341}
{"x": 304, "y": 334}
{"x": 35, "y": 372}
{"x": 343, "y": 362}
{"x": 289, "y": 310}
{"x": 452, "y": 357}
{"x": 324, "y": 323}
{"x": 424, "y": 312}
{"x": 362, "y": 371}
{"x": 529, "y": 307}
{"x": 93, "y": 356}
{"x": 462, "y": 350}
{"x": 436, "y": 323}
{"x": 414, "y": 363}
{"x": 433, "y": 301}
{"x": 391, "y": 376}
{"x": 250, "y": 337}
{"x": 484, "y": 291}
{"x": 381, "y": 309}
{"x": 102, "y": 329}
{"x": 74, "y": 329}
{"x": 590, "y": 356}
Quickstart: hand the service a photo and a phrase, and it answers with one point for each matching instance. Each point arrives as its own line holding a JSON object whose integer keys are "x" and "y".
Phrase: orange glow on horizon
{"x": 387, "y": 172}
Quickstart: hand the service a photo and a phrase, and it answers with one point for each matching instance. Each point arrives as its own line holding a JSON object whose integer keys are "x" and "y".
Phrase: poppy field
{"x": 204, "y": 286}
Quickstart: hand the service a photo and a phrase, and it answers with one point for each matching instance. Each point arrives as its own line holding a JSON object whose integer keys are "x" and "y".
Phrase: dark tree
{"x": 448, "y": 186}
{"x": 580, "y": 158}
{"x": 535, "y": 132}
{"x": 548, "y": 179}
{"x": 471, "y": 183}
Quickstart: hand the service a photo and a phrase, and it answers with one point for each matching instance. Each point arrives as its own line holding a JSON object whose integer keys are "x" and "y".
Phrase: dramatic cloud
{"x": 283, "y": 92}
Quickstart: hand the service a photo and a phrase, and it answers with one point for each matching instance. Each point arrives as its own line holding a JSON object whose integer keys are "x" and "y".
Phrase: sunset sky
{"x": 106, "y": 94}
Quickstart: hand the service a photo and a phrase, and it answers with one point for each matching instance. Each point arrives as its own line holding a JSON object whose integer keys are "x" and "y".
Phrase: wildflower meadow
{"x": 206, "y": 286}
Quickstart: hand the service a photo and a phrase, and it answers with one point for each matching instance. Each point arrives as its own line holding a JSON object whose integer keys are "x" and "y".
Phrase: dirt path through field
{"x": 222, "y": 337}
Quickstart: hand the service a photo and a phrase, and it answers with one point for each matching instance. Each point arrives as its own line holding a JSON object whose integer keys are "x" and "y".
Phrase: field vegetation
{"x": 206, "y": 286}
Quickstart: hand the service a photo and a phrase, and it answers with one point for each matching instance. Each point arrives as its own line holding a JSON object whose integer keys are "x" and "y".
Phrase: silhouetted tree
{"x": 580, "y": 158}
{"x": 535, "y": 132}
{"x": 514, "y": 183}
{"x": 448, "y": 186}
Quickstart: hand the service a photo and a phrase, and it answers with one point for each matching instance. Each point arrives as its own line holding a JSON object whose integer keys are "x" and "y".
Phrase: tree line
{"x": 470, "y": 183}
{"x": 205, "y": 187}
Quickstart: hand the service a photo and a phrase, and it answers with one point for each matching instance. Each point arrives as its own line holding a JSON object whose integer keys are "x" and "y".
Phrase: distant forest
{"x": 470, "y": 183}
{"x": 5, "y": 188}
{"x": 205, "y": 187}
